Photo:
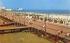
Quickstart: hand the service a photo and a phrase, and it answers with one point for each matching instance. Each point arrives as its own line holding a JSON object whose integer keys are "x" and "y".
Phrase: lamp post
{"x": 24, "y": 19}
{"x": 45, "y": 24}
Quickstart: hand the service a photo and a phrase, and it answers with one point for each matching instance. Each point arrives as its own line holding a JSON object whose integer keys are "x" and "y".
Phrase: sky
{"x": 37, "y": 4}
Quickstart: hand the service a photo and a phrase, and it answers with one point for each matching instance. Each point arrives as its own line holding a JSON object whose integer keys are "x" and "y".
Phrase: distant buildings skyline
{"x": 32, "y": 5}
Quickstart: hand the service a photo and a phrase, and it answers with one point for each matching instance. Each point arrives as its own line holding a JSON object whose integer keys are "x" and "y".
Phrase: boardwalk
{"x": 38, "y": 24}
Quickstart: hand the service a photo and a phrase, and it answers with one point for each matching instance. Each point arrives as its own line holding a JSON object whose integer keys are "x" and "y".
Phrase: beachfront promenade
{"x": 48, "y": 27}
